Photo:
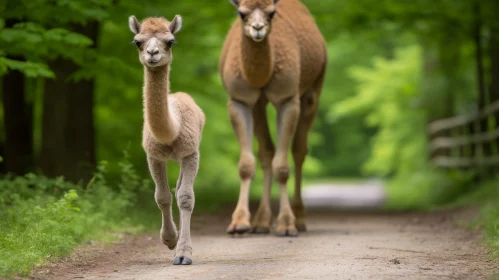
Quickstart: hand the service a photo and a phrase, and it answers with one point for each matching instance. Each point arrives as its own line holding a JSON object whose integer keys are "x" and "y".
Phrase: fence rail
{"x": 449, "y": 123}
{"x": 466, "y": 141}
{"x": 454, "y": 142}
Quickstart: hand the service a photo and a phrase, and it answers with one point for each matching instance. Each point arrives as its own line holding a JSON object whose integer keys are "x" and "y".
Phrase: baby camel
{"x": 273, "y": 53}
{"x": 173, "y": 126}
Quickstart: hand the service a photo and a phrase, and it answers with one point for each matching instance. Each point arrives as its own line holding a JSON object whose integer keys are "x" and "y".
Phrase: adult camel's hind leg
{"x": 309, "y": 104}
{"x": 266, "y": 150}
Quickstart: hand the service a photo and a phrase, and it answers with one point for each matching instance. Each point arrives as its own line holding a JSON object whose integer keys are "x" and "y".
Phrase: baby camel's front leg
{"x": 163, "y": 198}
{"x": 185, "y": 201}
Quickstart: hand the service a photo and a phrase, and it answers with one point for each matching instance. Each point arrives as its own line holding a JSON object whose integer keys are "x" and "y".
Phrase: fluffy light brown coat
{"x": 173, "y": 126}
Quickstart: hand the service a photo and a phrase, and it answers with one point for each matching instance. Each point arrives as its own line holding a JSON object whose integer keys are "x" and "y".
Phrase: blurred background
{"x": 409, "y": 100}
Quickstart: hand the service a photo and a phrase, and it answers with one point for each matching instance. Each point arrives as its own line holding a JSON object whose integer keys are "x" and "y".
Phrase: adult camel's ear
{"x": 134, "y": 25}
{"x": 235, "y": 3}
{"x": 176, "y": 24}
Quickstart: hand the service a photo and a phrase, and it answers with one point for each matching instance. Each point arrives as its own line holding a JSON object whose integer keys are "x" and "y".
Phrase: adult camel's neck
{"x": 257, "y": 61}
{"x": 158, "y": 115}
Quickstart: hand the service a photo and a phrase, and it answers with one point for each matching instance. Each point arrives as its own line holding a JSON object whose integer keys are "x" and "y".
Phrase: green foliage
{"x": 425, "y": 189}
{"x": 390, "y": 98}
{"x": 387, "y": 94}
{"x": 30, "y": 69}
{"x": 45, "y": 218}
{"x": 40, "y": 31}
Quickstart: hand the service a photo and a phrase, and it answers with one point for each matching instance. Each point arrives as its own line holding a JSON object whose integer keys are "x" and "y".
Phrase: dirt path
{"x": 341, "y": 245}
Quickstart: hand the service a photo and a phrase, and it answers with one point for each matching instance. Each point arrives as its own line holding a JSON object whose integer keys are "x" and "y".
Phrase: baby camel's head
{"x": 154, "y": 39}
{"x": 256, "y": 17}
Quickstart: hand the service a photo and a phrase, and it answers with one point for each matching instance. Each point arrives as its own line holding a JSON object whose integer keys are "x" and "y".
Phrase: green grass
{"x": 485, "y": 196}
{"x": 43, "y": 218}
{"x": 435, "y": 190}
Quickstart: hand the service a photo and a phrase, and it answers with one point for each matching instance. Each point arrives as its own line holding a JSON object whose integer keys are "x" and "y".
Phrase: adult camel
{"x": 274, "y": 53}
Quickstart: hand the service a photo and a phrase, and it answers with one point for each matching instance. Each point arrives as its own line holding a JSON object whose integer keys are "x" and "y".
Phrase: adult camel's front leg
{"x": 263, "y": 216}
{"x": 242, "y": 123}
{"x": 287, "y": 119}
{"x": 185, "y": 201}
{"x": 163, "y": 198}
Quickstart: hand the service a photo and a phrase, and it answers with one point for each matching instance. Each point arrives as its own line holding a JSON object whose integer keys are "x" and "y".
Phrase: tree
{"x": 68, "y": 140}
{"x": 18, "y": 120}
{"x": 52, "y": 40}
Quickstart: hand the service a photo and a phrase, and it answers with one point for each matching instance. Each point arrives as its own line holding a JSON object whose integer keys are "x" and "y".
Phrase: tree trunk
{"x": 18, "y": 121}
{"x": 439, "y": 62}
{"x": 430, "y": 64}
{"x": 55, "y": 106}
{"x": 68, "y": 141}
{"x": 80, "y": 132}
{"x": 494, "y": 87}
{"x": 480, "y": 70}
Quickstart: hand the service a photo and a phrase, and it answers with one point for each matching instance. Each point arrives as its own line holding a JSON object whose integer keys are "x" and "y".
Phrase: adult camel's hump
{"x": 293, "y": 24}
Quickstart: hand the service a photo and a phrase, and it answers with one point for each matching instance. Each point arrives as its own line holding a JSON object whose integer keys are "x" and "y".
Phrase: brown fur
{"x": 154, "y": 25}
{"x": 285, "y": 68}
{"x": 173, "y": 126}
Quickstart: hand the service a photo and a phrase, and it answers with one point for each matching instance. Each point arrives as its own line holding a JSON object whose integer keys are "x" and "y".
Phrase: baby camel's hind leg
{"x": 163, "y": 198}
{"x": 185, "y": 201}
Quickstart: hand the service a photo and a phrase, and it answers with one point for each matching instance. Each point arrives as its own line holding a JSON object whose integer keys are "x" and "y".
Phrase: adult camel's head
{"x": 256, "y": 17}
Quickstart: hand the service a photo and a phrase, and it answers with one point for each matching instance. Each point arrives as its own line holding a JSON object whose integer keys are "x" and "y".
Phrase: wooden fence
{"x": 467, "y": 141}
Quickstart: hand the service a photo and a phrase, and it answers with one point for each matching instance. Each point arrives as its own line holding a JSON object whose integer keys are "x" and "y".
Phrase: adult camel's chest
{"x": 284, "y": 81}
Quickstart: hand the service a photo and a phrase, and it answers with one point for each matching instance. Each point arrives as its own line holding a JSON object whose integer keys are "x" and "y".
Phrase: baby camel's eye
{"x": 170, "y": 43}
{"x": 241, "y": 15}
{"x": 137, "y": 43}
{"x": 272, "y": 14}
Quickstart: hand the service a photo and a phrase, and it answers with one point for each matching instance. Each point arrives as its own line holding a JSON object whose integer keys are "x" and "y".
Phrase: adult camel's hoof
{"x": 233, "y": 229}
{"x": 286, "y": 224}
{"x": 261, "y": 221}
{"x": 299, "y": 211}
{"x": 260, "y": 230}
{"x": 301, "y": 227}
{"x": 182, "y": 260}
{"x": 240, "y": 222}
{"x": 287, "y": 233}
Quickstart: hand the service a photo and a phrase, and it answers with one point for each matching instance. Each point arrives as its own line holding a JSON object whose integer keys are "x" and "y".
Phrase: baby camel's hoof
{"x": 290, "y": 233}
{"x": 182, "y": 260}
{"x": 237, "y": 229}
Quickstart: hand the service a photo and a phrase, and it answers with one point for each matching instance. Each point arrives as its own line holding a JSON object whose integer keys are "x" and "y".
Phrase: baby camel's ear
{"x": 235, "y": 3}
{"x": 176, "y": 24}
{"x": 134, "y": 24}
